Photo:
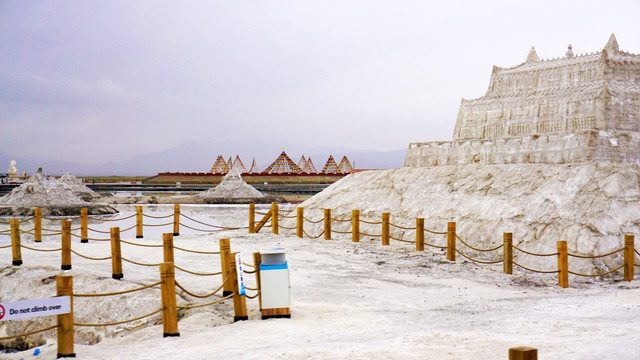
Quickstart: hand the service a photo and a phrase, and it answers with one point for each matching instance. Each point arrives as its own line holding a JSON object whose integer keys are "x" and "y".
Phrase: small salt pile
{"x": 79, "y": 188}
{"x": 232, "y": 187}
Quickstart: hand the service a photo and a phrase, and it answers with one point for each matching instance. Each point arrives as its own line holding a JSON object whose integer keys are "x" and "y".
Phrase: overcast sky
{"x": 92, "y": 81}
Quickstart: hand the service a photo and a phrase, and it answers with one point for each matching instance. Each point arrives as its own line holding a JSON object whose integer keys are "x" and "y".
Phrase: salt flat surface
{"x": 354, "y": 300}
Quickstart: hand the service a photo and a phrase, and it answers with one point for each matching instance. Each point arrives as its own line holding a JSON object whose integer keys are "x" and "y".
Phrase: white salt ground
{"x": 348, "y": 300}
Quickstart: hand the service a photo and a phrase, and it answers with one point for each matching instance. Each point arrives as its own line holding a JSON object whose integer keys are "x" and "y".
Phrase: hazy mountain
{"x": 199, "y": 156}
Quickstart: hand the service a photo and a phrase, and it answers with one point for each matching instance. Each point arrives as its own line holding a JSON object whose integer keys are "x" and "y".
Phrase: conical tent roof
{"x": 309, "y": 167}
{"x": 345, "y": 166}
{"x": 254, "y": 167}
{"x": 330, "y": 167}
{"x": 303, "y": 162}
{"x": 238, "y": 165}
{"x": 220, "y": 166}
{"x": 283, "y": 165}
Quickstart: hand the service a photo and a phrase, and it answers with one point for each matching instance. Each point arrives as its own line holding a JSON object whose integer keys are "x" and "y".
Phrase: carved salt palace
{"x": 574, "y": 109}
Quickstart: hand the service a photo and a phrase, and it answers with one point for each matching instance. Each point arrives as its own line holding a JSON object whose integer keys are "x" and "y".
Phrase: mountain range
{"x": 199, "y": 156}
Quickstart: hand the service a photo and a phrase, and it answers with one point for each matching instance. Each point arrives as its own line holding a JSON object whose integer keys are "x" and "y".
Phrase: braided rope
{"x": 169, "y": 223}
{"x": 595, "y": 275}
{"x": 534, "y": 254}
{"x": 286, "y": 227}
{"x": 93, "y": 239}
{"x": 538, "y": 271}
{"x": 254, "y": 296}
{"x": 475, "y": 248}
{"x": 595, "y": 256}
{"x": 249, "y": 272}
{"x": 157, "y": 217}
{"x": 142, "y": 245}
{"x": 283, "y": 216}
{"x": 202, "y": 230}
{"x": 340, "y": 220}
{"x": 48, "y": 234}
{"x": 340, "y": 232}
{"x": 436, "y": 232}
{"x": 118, "y": 292}
{"x": 138, "y": 263}
{"x": 197, "y": 251}
{"x": 29, "y": 333}
{"x": 263, "y": 213}
{"x": 99, "y": 231}
{"x": 401, "y": 227}
{"x": 636, "y": 251}
{"x": 202, "y": 223}
{"x": 313, "y": 222}
{"x": 435, "y": 246}
{"x": 313, "y": 237}
{"x": 35, "y": 249}
{"x": 105, "y": 220}
{"x": 120, "y": 322}
{"x": 127, "y": 229}
{"x": 61, "y": 219}
{"x": 5, "y": 246}
{"x": 201, "y": 296}
{"x": 478, "y": 261}
{"x": 197, "y": 273}
{"x": 250, "y": 288}
{"x": 399, "y": 239}
{"x": 371, "y": 222}
{"x": 367, "y": 234}
{"x": 205, "y": 304}
{"x": 89, "y": 257}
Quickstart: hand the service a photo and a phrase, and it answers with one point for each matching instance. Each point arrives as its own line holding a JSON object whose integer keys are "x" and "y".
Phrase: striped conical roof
{"x": 238, "y": 165}
{"x": 345, "y": 166}
{"x": 303, "y": 162}
{"x": 330, "y": 167}
{"x": 283, "y": 165}
{"x": 220, "y": 166}
{"x": 309, "y": 167}
{"x": 254, "y": 167}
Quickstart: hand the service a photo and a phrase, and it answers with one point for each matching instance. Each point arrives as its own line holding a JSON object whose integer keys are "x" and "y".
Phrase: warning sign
{"x": 34, "y": 308}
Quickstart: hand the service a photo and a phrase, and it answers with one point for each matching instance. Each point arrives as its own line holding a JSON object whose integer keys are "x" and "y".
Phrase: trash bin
{"x": 274, "y": 284}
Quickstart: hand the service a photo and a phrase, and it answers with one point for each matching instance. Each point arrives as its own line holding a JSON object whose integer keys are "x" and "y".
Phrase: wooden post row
{"x": 451, "y": 241}
{"x": 37, "y": 225}
{"x": 225, "y": 249}
{"x": 116, "y": 255}
{"x": 563, "y": 264}
{"x": 419, "y": 234}
{"x": 355, "y": 225}
{"x": 16, "y": 248}
{"x": 139, "y": 222}
{"x": 169, "y": 304}
{"x": 327, "y": 224}
{"x": 84, "y": 225}
{"x": 64, "y": 287}
{"x": 300, "y": 222}
{"x": 275, "y": 217}
{"x": 385, "y": 228}
{"x": 66, "y": 245}
{"x": 239, "y": 301}
{"x": 176, "y": 220}
{"x": 507, "y": 253}
{"x": 167, "y": 247}
{"x": 629, "y": 257}
{"x": 523, "y": 353}
{"x": 252, "y": 218}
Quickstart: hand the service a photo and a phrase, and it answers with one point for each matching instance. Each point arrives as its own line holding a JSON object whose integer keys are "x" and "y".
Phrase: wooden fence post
{"x": 629, "y": 257}
{"x": 84, "y": 225}
{"x": 139, "y": 223}
{"x": 300, "y": 222}
{"x": 64, "y": 287}
{"x": 225, "y": 249}
{"x": 385, "y": 228}
{"x": 563, "y": 264}
{"x": 66, "y": 245}
{"x": 167, "y": 246}
{"x": 37, "y": 224}
{"x": 239, "y": 301}
{"x": 257, "y": 260}
{"x": 252, "y": 218}
{"x": 419, "y": 234}
{"x": 169, "y": 304}
{"x": 275, "y": 217}
{"x": 116, "y": 254}
{"x": 16, "y": 248}
{"x": 451, "y": 240}
{"x": 327, "y": 224}
{"x": 523, "y": 353}
{"x": 176, "y": 220}
{"x": 355, "y": 225}
{"x": 507, "y": 253}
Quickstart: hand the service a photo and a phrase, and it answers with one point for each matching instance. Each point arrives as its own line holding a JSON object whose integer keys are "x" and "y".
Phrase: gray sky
{"x": 92, "y": 81}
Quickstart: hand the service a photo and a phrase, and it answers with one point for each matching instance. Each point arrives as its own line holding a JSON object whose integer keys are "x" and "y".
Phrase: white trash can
{"x": 274, "y": 284}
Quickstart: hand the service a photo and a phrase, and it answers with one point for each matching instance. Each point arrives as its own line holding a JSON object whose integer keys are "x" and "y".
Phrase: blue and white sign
{"x": 241, "y": 288}
{"x": 31, "y": 308}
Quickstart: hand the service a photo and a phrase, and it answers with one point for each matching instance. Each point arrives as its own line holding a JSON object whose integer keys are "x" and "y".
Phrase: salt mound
{"x": 591, "y": 206}
{"x": 79, "y": 188}
{"x": 232, "y": 187}
{"x": 53, "y": 196}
